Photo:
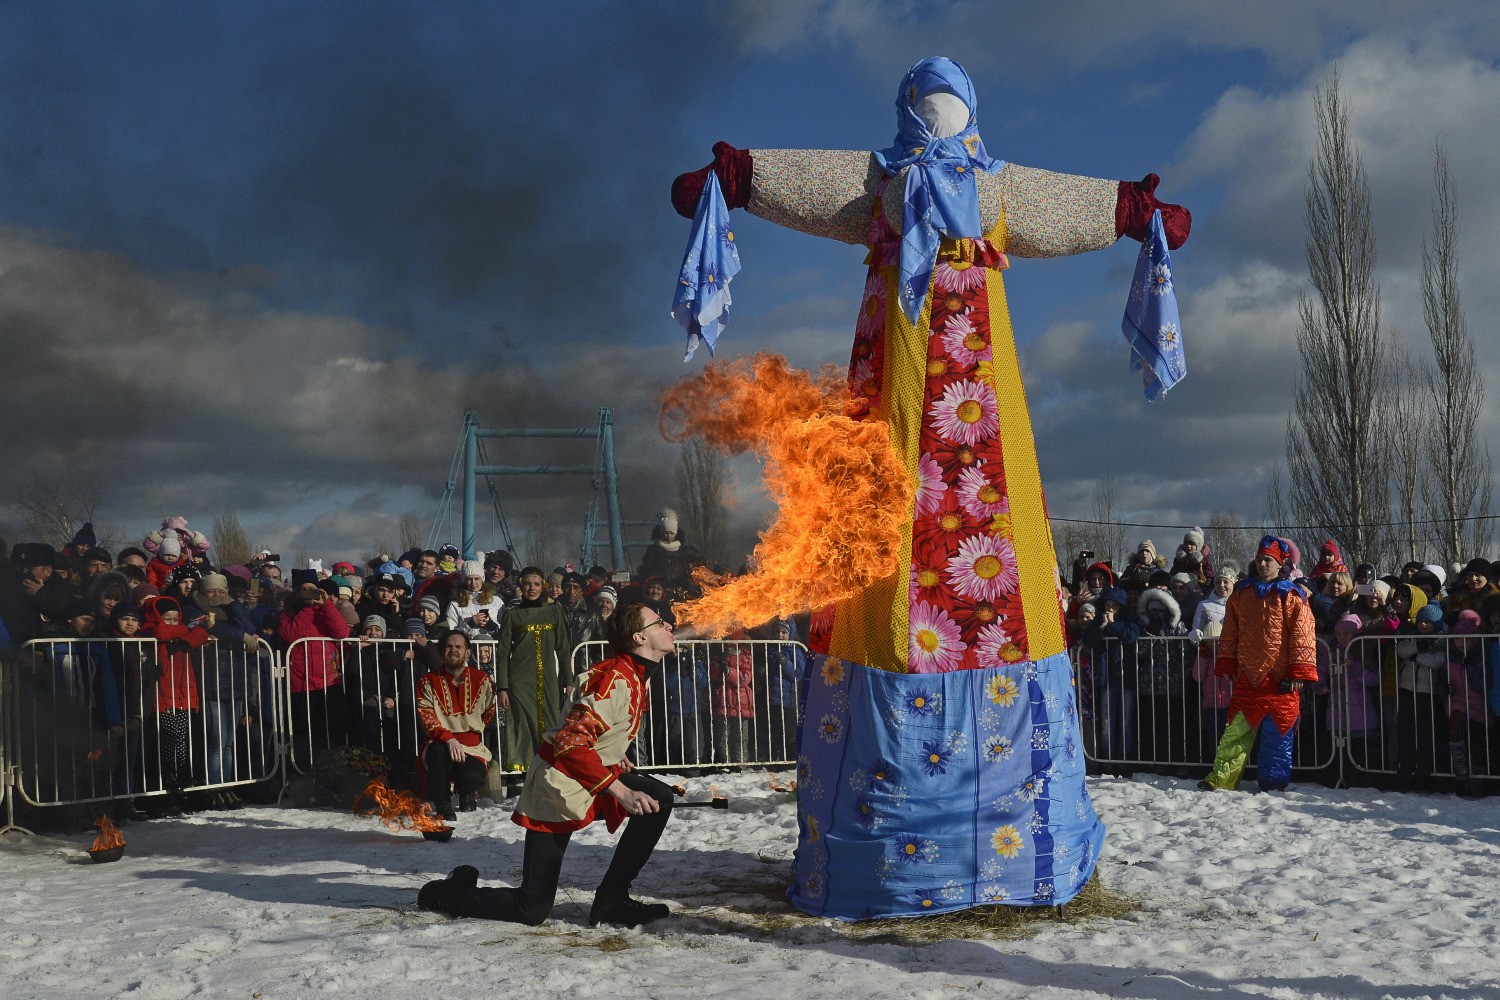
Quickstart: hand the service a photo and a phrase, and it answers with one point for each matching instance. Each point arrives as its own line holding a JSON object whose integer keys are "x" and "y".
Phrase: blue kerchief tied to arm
{"x": 701, "y": 304}
{"x": 1151, "y": 323}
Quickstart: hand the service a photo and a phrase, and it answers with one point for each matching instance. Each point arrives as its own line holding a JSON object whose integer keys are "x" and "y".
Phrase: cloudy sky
{"x": 264, "y": 255}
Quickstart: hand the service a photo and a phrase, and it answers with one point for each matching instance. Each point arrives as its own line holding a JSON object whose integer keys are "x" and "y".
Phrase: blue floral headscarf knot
{"x": 942, "y": 198}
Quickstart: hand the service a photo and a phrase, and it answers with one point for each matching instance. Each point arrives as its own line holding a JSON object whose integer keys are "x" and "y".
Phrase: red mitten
{"x": 1135, "y": 205}
{"x": 734, "y": 168}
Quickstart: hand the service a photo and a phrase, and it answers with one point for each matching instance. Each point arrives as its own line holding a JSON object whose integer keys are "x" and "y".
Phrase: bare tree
{"x": 1278, "y": 518}
{"x": 1338, "y": 436}
{"x": 1109, "y": 531}
{"x": 701, "y": 483}
{"x": 53, "y": 508}
{"x": 1408, "y": 471}
{"x": 1233, "y": 544}
{"x": 231, "y": 545}
{"x": 1460, "y": 481}
{"x": 412, "y": 536}
{"x": 541, "y": 541}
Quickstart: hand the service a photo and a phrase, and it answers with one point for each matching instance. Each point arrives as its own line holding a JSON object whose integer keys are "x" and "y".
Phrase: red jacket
{"x": 176, "y": 690}
{"x": 313, "y": 665}
{"x": 733, "y": 680}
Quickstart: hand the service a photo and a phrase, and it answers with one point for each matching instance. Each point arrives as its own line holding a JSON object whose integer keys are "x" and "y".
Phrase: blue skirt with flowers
{"x": 925, "y": 793}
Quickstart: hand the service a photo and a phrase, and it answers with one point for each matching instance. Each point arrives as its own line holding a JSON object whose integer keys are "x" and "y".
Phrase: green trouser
{"x": 1233, "y": 753}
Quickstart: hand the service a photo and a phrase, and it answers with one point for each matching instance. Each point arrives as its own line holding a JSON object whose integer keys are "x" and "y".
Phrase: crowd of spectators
{"x": 193, "y": 707}
{"x": 1419, "y": 697}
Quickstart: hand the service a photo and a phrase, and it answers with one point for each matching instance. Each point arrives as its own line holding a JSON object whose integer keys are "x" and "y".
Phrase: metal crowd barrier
{"x": 718, "y": 703}
{"x": 363, "y": 692}
{"x": 95, "y": 720}
{"x": 1407, "y": 706}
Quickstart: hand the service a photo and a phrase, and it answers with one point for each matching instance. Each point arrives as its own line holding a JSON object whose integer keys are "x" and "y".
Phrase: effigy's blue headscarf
{"x": 942, "y": 197}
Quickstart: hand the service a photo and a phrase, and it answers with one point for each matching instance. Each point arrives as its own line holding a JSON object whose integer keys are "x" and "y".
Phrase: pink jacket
{"x": 733, "y": 680}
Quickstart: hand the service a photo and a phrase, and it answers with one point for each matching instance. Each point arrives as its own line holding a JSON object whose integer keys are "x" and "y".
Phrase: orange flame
{"x": 109, "y": 837}
{"x": 841, "y": 488}
{"x": 94, "y": 756}
{"x": 400, "y": 810}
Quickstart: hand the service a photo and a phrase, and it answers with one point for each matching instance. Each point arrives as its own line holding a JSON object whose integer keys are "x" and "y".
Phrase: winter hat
{"x": 85, "y": 538}
{"x": 374, "y": 621}
{"x": 667, "y": 520}
{"x": 414, "y": 626}
{"x": 430, "y": 603}
{"x": 1194, "y": 536}
{"x": 1437, "y": 571}
{"x": 1348, "y": 623}
{"x": 240, "y": 572}
{"x": 29, "y": 554}
{"x": 215, "y": 581}
{"x": 1431, "y": 614}
{"x": 1158, "y": 578}
{"x": 127, "y": 610}
{"x": 1227, "y": 572}
{"x": 607, "y": 594}
{"x": 1467, "y": 622}
{"x": 97, "y": 554}
{"x": 1480, "y": 566}
{"x": 171, "y": 545}
{"x": 1117, "y": 595}
{"x": 1383, "y": 589}
{"x": 578, "y": 578}
{"x": 1147, "y": 546}
{"x": 473, "y": 568}
{"x": 1276, "y": 548}
{"x": 80, "y": 607}
{"x": 345, "y": 568}
{"x": 1182, "y": 578}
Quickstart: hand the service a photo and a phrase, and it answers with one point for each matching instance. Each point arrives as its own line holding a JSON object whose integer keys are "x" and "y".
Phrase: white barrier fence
{"x": 1408, "y": 706}
{"x": 100, "y": 720}
{"x": 92, "y": 720}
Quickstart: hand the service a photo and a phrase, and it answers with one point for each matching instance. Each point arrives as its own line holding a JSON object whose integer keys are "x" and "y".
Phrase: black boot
{"x": 468, "y": 802}
{"x": 465, "y": 875}
{"x": 441, "y": 896}
{"x": 623, "y": 911}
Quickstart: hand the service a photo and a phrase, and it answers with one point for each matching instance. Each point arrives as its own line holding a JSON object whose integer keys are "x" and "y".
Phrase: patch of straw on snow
{"x": 759, "y": 907}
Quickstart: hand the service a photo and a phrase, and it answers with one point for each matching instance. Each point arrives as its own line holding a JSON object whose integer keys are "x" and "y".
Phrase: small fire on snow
{"x": 109, "y": 836}
{"x": 400, "y": 810}
{"x": 841, "y": 489}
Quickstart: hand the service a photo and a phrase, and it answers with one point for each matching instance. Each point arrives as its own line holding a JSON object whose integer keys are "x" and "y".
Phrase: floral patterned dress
{"x": 940, "y": 765}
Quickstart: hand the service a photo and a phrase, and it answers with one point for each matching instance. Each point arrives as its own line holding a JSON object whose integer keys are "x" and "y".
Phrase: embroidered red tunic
{"x": 581, "y": 758}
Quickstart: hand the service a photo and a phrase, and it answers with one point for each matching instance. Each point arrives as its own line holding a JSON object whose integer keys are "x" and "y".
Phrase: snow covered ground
{"x": 1312, "y": 893}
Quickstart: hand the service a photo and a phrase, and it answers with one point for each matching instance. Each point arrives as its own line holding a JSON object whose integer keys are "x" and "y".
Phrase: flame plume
{"x": 400, "y": 810}
{"x": 109, "y": 836}
{"x": 841, "y": 488}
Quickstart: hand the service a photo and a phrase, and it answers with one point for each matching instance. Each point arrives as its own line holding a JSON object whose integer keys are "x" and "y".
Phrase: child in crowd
{"x": 1420, "y": 662}
{"x": 175, "y": 700}
{"x": 1467, "y": 717}
{"x": 1355, "y": 718}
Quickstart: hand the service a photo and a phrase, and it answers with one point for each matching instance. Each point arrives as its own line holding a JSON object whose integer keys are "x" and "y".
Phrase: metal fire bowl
{"x": 108, "y": 854}
{"x": 441, "y": 836}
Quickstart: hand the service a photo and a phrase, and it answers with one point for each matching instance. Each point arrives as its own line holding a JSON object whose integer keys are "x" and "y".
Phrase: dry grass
{"x": 762, "y": 910}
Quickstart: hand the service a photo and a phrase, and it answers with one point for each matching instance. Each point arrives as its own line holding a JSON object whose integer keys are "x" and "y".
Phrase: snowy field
{"x": 1312, "y": 893}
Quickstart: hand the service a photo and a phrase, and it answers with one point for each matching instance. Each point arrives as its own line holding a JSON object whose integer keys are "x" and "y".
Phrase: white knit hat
{"x": 473, "y": 567}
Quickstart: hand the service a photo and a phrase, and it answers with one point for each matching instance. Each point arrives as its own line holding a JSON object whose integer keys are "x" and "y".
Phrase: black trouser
{"x": 443, "y": 773}
{"x": 531, "y": 903}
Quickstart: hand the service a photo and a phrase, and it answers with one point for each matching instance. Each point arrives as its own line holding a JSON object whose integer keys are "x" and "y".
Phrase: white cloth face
{"x": 944, "y": 114}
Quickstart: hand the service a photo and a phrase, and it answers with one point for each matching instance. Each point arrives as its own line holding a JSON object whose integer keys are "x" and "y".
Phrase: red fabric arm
{"x": 1133, "y": 208}
{"x": 734, "y": 168}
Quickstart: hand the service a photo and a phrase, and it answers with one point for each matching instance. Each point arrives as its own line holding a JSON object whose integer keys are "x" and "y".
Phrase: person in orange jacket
{"x": 1268, "y": 645}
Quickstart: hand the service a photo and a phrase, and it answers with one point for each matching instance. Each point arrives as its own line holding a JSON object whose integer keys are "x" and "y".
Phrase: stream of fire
{"x": 841, "y": 490}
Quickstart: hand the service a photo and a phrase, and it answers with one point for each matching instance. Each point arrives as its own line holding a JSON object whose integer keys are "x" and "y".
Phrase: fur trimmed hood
{"x": 1158, "y": 600}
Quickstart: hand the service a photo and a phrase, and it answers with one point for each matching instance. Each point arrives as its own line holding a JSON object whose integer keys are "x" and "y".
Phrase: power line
{"x": 1268, "y": 527}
